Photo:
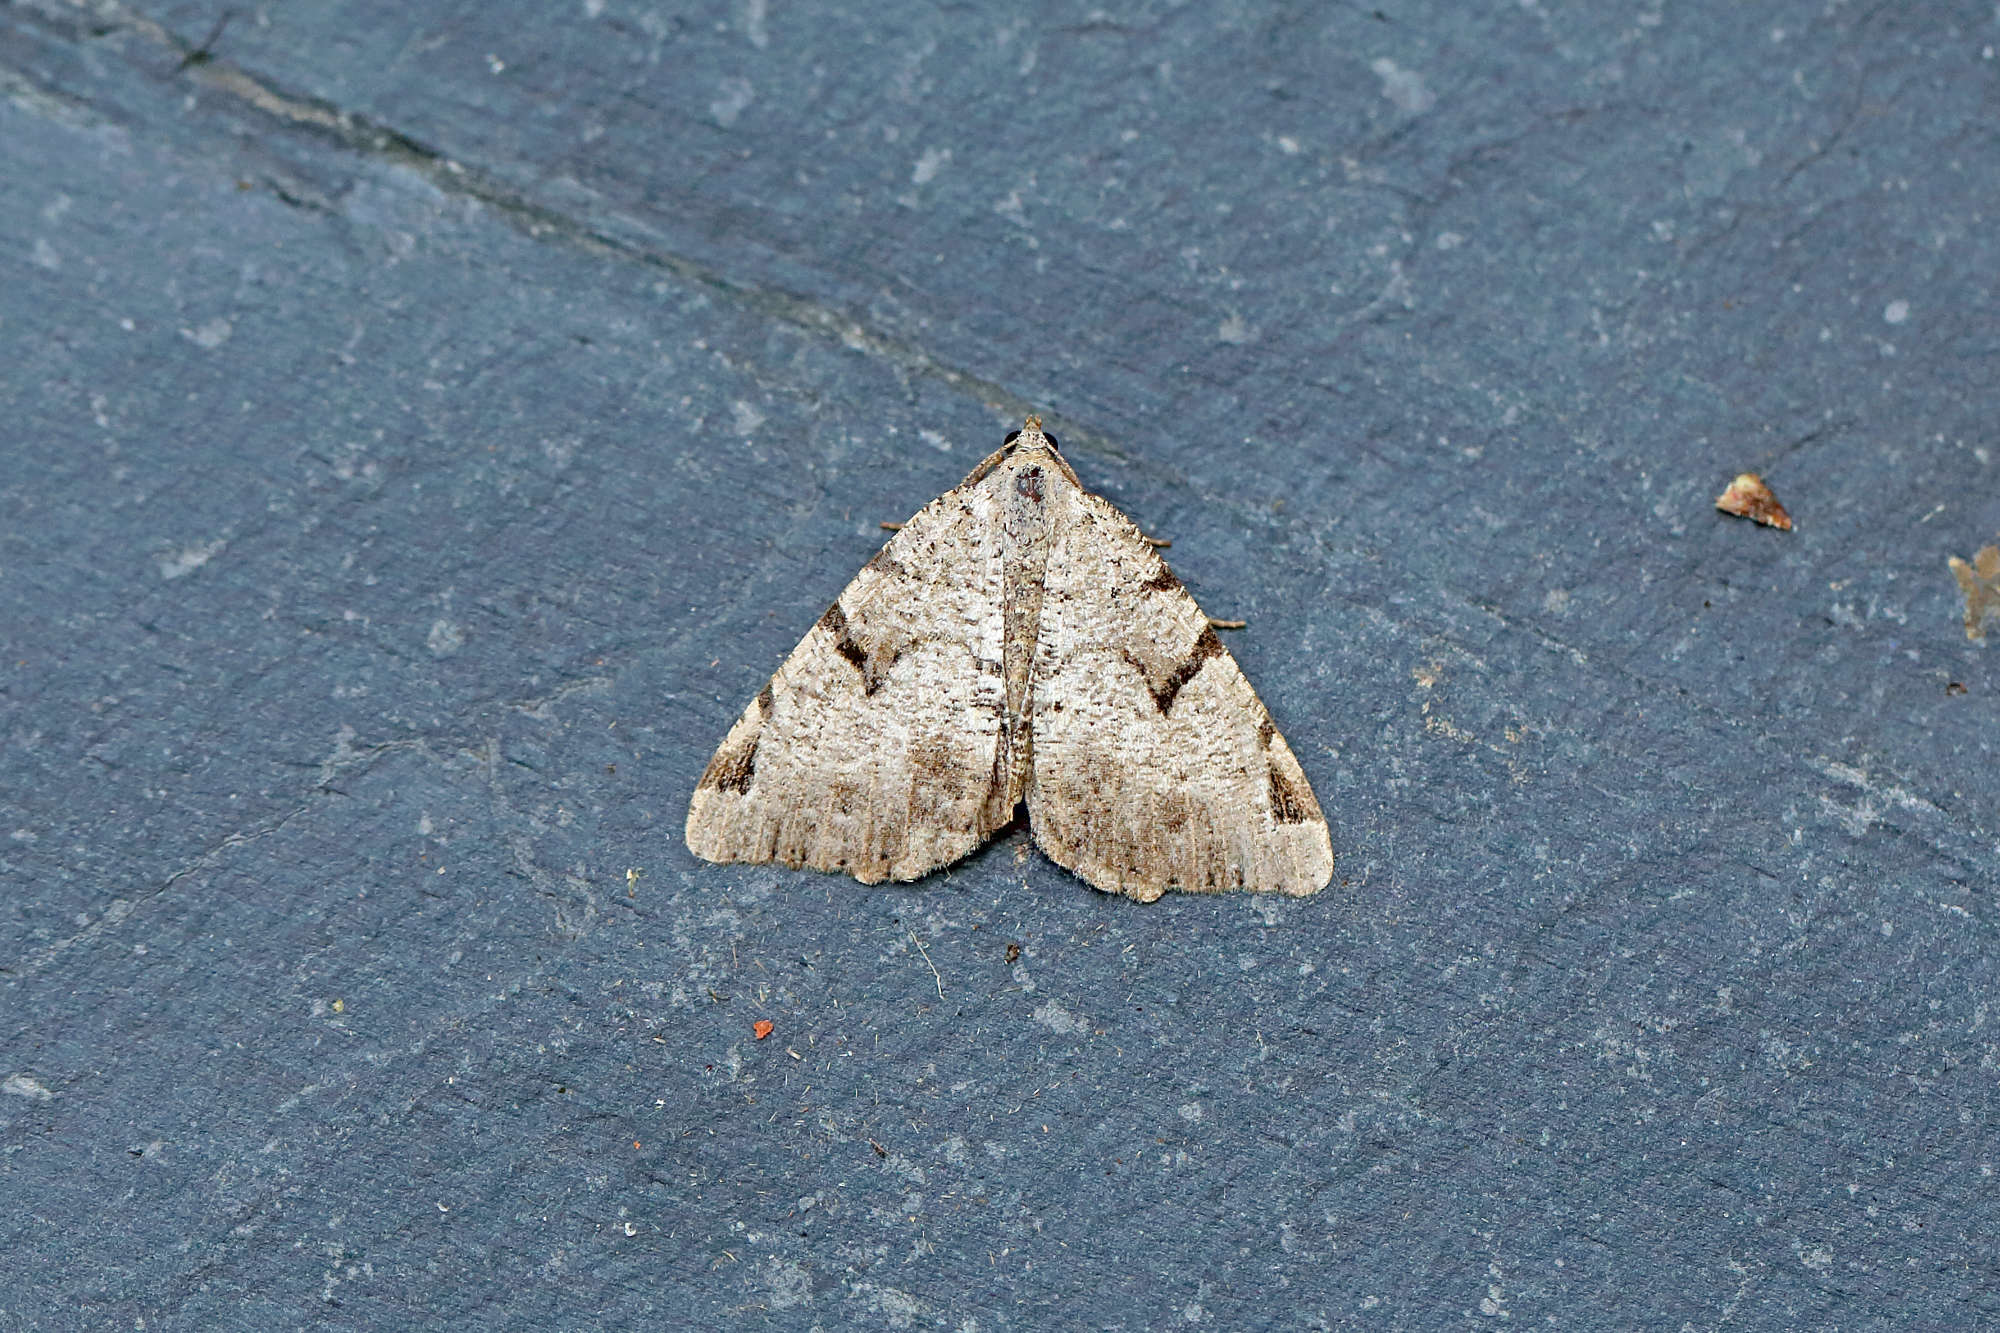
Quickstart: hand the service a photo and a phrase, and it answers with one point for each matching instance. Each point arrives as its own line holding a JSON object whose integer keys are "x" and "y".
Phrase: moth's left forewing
{"x": 1156, "y": 766}
{"x": 873, "y": 748}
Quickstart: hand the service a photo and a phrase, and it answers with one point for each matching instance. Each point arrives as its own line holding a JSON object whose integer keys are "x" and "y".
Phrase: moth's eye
{"x": 1012, "y": 436}
{"x": 1052, "y": 441}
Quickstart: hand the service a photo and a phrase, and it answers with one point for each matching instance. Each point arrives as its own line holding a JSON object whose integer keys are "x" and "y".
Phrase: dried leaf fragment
{"x": 1749, "y": 497}
{"x": 763, "y": 1027}
{"x": 1980, "y": 582}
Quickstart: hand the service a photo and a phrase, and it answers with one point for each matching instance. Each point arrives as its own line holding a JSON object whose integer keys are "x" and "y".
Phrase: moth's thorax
{"x": 1028, "y": 478}
{"x": 1033, "y": 466}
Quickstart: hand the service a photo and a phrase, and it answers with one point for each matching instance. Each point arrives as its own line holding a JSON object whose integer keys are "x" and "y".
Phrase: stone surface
{"x": 423, "y": 432}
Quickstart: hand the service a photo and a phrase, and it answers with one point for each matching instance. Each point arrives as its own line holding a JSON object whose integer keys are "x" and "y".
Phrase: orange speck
{"x": 763, "y": 1027}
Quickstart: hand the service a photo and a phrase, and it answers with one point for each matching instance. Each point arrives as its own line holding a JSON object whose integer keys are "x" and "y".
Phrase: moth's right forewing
{"x": 1156, "y": 766}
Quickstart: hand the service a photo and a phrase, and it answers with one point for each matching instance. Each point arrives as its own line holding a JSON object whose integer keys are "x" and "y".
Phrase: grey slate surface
{"x": 423, "y": 432}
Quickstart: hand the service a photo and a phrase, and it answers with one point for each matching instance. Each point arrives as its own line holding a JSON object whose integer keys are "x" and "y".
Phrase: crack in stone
{"x": 369, "y": 138}
{"x": 118, "y": 909}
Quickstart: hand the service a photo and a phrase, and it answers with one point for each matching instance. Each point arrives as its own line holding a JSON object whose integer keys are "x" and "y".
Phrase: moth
{"x": 1018, "y": 640}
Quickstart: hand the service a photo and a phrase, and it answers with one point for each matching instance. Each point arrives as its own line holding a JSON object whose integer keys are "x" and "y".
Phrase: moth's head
{"x": 1031, "y": 436}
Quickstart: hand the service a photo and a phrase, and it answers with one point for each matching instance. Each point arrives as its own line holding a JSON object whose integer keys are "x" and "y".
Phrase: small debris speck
{"x": 1980, "y": 582}
{"x": 1748, "y": 497}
